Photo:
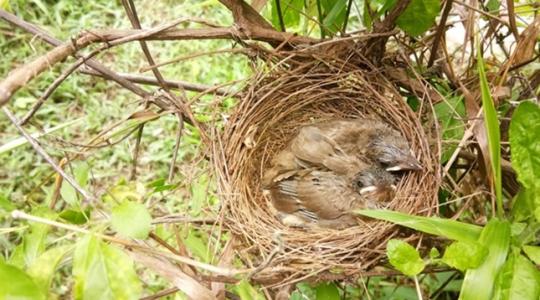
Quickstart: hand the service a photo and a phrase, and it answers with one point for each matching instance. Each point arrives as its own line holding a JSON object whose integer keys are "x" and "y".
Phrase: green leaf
{"x": 132, "y": 220}
{"x": 518, "y": 279}
{"x": 450, "y": 114}
{"x": 419, "y": 16}
{"x": 434, "y": 253}
{"x": 5, "y": 204}
{"x": 199, "y": 195}
{"x": 493, "y": 133}
{"x": 303, "y": 291}
{"x": 335, "y": 18}
{"x": 533, "y": 252}
{"x": 524, "y": 135}
{"x": 75, "y": 216}
{"x": 404, "y": 257}
{"x": 102, "y": 271}
{"x": 33, "y": 244}
{"x": 327, "y": 290}
{"x": 68, "y": 192}
{"x": 290, "y": 11}
{"x": 43, "y": 268}
{"x": 449, "y": 229}
{"x": 15, "y": 284}
{"x": 198, "y": 245}
{"x": 493, "y": 5}
{"x": 464, "y": 255}
{"x": 523, "y": 205}
{"x": 247, "y": 292}
{"x": 478, "y": 283}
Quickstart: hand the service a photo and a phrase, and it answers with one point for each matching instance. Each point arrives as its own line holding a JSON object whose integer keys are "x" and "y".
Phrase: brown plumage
{"x": 372, "y": 140}
{"x": 331, "y": 167}
{"x": 320, "y": 197}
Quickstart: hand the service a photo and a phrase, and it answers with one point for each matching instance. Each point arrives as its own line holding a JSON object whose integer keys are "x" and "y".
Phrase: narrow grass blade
{"x": 22, "y": 141}
{"x": 478, "y": 283}
{"x": 492, "y": 128}
{"x": 450, "y": 229}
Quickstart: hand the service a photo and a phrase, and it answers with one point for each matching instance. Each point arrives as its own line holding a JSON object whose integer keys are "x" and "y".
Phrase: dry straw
{"x": 298, "y": 89}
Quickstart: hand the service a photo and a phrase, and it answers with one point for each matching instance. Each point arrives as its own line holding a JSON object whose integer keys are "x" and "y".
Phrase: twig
{"x": 179, "y": 59}
{"x": 439, "y": 33}
{"x": 48, "y": 92}
{"x": 160, "y": 294}
{"x": 16, "y": 214}
{"x": 86, "y": 195}
{"x": 172, "y": 84}
{"x": 133, "y": 173}
{"x": 176, "y": 146}
{"x": 512, "y": 18}
{"x": 486, "y": 14}
{"x": 418, "y": 290}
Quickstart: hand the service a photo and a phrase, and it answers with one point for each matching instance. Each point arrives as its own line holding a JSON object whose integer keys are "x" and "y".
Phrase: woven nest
{"x": 299, "y": 90}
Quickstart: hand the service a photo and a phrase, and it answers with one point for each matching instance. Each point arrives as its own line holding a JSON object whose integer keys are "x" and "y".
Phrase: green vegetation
{"x": 68, "y": 246}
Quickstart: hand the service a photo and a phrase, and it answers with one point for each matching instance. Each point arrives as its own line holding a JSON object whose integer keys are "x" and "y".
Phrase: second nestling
{"x": 331, "y": 168}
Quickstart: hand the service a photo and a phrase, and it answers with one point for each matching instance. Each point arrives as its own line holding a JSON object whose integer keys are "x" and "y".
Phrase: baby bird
{"x": 330, "y": 168}
{"x": 319, "y": 197}
{"x": 371, "y": 139}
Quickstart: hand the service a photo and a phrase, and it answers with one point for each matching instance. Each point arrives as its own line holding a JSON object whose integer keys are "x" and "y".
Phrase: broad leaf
{"x": 404, "y": 257}
{"x": 44, "y": 267}
{"x": 478, "y": 283}
{"x": 68, "y": 192}
{"x": 419, "y": 16}
{"x": 197, "y": 243}
{"x": 533, "y": 252}
{"x": 335, "y": 18}
{"x": 247, "y": 292}
{"x": 15, "y": 284}
{"x": 524, "y": 137}
{"x": 132, "y": 220}
{"x": 327, "y": 290}
{"x": 290, "y": 12}
{"x": 464, "y": 255}
{"x": 518, "y": 279}
{"x": 493, "y": 133}
{"x": 104, "y": 272}
{"x": 450, "y": 114}
{"x": 33, "y": 244}
{"x": 449, "y": 229}
{"x": 75, "y": 216}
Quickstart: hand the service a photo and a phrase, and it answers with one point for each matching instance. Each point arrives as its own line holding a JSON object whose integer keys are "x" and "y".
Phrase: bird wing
{"x": 353, "y": 136}
{"x": 316, "y": 195}
{"x": 313, "y": 146}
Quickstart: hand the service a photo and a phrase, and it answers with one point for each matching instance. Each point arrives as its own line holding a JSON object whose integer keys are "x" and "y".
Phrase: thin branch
{"x": 133, "y": 173}
{"x": 172, "y": 84}
{"x": 35, "y": 144}
{"x": 512, "y": 18}
{"x": 440, "y": 31}
{"x": 176, "y": 146}
{"x": 16, "y": 214}
{"x": 179, "y": 59}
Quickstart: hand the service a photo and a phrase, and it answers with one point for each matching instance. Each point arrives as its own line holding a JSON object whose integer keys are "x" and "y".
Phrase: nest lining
{"x": 277, "y": 102}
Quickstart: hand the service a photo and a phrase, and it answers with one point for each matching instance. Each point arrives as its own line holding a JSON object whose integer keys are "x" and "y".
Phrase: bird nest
{"x": 296, "y": 90}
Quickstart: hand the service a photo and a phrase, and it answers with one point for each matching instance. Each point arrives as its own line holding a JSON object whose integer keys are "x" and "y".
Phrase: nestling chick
{"x": 319, "y": 197}
{"x": 373, "y": 140}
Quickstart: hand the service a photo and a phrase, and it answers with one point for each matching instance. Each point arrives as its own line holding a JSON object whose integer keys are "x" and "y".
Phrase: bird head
{"x": 392, "y": 151}
{"x": 376, "y": 184}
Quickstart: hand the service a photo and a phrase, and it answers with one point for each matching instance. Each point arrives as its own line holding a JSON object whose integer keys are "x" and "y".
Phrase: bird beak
{"x": 411, "y": 164}
{"x": 368, "y": 189}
